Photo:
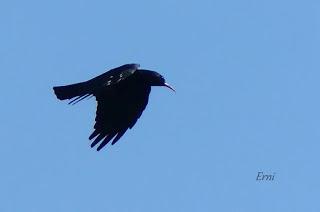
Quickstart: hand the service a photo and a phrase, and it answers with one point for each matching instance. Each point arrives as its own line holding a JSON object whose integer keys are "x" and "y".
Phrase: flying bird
{"x": 121, "y": 93}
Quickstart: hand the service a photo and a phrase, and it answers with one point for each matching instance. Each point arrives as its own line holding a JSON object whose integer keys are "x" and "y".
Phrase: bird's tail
{"x": 79, "y": 90}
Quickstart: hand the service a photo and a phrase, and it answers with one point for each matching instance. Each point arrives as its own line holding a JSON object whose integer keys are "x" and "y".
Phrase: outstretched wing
{"x": 82, "y": 90}
{"x": 119, "y": 108}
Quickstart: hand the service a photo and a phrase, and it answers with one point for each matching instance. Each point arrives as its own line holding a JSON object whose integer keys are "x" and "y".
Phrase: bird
{"x": 121, "y": 93}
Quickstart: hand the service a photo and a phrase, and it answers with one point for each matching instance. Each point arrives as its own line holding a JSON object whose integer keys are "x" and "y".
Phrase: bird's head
{"x": 155, "y": 79}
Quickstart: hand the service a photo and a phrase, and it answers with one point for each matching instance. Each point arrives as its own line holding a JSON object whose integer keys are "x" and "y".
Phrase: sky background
{"x": 247, "y": 79}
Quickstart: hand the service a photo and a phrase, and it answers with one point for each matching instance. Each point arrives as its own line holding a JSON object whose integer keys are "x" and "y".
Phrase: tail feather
{"x": 78, "y": 90}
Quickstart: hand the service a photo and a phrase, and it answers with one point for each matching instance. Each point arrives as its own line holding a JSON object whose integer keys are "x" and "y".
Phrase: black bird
{"x": 121, "y": 93}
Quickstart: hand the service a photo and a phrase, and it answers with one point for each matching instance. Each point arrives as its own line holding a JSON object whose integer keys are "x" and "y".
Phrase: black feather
{"x": 121, "y": 93}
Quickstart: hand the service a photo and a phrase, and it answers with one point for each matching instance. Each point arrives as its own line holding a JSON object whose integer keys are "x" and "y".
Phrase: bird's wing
{"x": 114, "y": 76}
{"x": 118, "y": 109}
{"x": 82, "y": 90}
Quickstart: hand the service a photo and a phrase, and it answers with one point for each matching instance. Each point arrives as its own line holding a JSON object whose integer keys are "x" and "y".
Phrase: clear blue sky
{"x": 248, "y": 99}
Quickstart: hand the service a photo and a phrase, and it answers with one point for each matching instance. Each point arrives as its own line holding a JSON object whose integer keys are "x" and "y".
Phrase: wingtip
{"x": 93, "y": 134}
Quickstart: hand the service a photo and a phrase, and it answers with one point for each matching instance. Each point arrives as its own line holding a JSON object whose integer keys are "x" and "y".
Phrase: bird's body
{"x": 122, "y": 95}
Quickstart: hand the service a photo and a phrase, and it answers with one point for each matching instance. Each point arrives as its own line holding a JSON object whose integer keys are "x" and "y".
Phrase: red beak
{"x": 169, "y": 86}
